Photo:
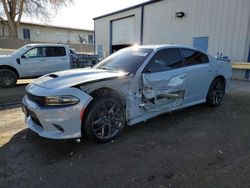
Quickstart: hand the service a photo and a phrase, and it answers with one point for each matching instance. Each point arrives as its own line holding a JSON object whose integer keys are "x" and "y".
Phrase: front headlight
{"x": 60, "y": 100}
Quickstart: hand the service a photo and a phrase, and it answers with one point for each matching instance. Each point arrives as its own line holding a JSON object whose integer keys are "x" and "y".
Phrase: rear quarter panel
{"x": 222, "y": 68}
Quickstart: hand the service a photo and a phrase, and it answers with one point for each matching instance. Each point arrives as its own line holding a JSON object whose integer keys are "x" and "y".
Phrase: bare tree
{"x": 13, "y": 11}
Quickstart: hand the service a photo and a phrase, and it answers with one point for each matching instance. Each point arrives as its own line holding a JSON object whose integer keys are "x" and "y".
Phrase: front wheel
{"x": 105, "y": 119}
{"x": 8, "y": 78}
{"x": 216, "y": 92}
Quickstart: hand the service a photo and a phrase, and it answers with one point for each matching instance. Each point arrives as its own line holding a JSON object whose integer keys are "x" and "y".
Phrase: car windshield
{"x": 126, "y": 60}
{"x": 21, "y": 50}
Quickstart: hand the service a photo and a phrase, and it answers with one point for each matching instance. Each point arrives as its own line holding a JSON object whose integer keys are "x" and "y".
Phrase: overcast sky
{"x": 81, "y": 13}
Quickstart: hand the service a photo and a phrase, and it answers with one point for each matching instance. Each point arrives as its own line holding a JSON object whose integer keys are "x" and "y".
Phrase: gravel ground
{"x": 10, "y": 97}
{"x": 196, "y": 147}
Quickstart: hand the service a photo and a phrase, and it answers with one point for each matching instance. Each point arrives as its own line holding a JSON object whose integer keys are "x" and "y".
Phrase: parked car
{"x": 128, "y": 87}
{"x": 35, "y": 60}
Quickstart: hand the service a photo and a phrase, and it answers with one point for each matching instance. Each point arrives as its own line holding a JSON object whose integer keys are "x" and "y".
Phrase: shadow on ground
{"x": 195, "y": 147}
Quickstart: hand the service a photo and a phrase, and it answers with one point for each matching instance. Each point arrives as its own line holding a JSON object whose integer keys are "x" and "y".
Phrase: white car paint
{"x": 169, "y": 90}
{"x": 35, "y": 66}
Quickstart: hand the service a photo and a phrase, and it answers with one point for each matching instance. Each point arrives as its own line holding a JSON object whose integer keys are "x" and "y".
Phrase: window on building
{"x": 164, "y": 60}
{"x": 26, "y": 34}
{"x": 193, "y": 57}
{"x": 90, "y": 39}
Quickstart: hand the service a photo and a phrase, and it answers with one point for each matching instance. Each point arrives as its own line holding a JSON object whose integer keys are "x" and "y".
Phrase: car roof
{"x": 44, "y": 44}
{"x": 165, "y": 46}
{"x": 158, "y": 46}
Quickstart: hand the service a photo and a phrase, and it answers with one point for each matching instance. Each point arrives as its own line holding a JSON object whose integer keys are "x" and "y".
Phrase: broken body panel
{"x": 145, "y": 94}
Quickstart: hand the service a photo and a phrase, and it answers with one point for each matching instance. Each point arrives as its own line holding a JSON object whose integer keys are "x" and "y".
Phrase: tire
{"x": 105, "y": 119}
{"x": 216, "y": 92}
{"x": 8, "y": 78}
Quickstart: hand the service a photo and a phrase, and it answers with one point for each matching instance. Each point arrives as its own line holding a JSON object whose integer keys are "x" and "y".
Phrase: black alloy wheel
{"x": 105, "y": 120}
{"x": 216, "y": 92}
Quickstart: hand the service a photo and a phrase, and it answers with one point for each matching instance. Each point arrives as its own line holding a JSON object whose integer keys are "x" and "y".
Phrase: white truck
{"x": 35, "y": 60}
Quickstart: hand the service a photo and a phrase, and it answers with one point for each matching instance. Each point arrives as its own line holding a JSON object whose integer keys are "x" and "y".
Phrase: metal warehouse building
{"x": 210, "y": 25}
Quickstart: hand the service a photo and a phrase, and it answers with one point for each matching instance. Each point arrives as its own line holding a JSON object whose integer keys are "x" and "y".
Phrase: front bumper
{"x": 55, "y": 122}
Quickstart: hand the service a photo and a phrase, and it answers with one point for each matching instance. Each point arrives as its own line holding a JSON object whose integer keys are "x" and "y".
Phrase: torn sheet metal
{"x": 163, "y": 94}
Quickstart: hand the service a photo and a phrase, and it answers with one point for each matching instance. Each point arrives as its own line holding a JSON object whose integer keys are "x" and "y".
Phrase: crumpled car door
{"x": 163, "y": 90}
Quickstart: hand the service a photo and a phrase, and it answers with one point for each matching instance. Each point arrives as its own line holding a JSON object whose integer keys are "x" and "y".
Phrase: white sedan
{"x": 128, "y": 87}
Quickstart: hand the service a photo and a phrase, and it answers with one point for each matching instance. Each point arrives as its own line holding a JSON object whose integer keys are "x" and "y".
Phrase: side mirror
{"x": 24, "y": 56}
{"x": 148, "y": 70}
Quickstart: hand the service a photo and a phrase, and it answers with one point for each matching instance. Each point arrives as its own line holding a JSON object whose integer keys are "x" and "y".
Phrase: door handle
{"x": 43, "y": 59}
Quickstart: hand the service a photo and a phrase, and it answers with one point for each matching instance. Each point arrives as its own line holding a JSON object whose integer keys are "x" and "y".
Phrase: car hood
{"x": 74, "y": 77}
{"x": 3, "y": 58}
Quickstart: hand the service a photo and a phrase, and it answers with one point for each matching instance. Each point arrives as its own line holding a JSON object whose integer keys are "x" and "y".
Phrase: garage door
{"x": 123, "y": 31}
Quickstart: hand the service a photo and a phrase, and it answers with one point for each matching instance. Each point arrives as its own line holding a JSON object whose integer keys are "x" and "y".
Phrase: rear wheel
{"x": 216, "y": 92}
{"x": 105, "y": 119}
{"x": 8, "y": 78}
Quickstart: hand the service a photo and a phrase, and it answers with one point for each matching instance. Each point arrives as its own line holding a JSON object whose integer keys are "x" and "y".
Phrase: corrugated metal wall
{"x": 225, "y": 22}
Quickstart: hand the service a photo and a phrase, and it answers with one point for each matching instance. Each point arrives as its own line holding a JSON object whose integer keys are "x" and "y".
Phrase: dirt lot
{"x": 195, "y": 147}
{"x": 13, "y": 96}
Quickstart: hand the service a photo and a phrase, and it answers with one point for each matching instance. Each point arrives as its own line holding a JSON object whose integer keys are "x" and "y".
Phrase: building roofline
{"x": 54, "y": 26}
{"x": 126, "y": 9}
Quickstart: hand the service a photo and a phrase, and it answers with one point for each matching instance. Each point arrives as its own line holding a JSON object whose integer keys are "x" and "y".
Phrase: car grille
{"x": 36, "y": 99}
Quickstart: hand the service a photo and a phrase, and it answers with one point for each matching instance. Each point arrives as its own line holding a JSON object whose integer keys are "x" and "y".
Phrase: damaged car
{"x": 128, "y": 87}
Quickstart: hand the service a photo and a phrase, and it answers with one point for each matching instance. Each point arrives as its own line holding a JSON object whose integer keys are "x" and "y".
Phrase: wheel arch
{"x": 221, "y": 77}
{"x": 10, "y": 68}
{"x": 104, "y": 91}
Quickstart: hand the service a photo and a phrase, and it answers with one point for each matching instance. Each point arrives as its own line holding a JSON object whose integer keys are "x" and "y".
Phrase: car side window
{"x": 36, "y": 52}
{"x": 193, "y": 57}
{"x": 164, "y": 60}
{"x": 55, "y": 51}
